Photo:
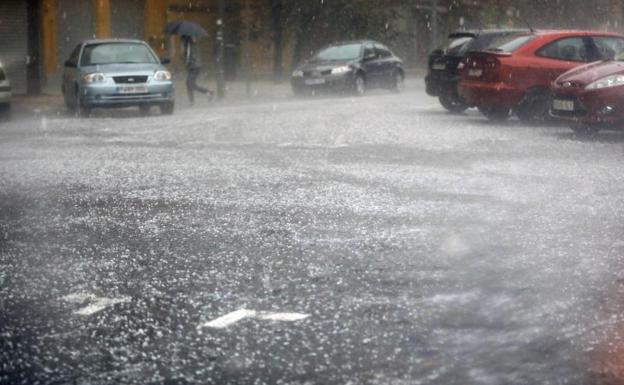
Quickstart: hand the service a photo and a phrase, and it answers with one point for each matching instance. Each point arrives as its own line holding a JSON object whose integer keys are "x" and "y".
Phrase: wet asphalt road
{"x": 425, "y": 248}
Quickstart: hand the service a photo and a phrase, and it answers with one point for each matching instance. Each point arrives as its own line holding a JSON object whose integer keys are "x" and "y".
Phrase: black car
{"x": 351, "y": 66}
{"x": 443, "y": 75}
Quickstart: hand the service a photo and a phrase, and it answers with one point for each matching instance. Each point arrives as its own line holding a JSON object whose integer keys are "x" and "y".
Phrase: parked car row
{"x": 570, "y": 75}
{"x": 576, "y": 76}
{"x": 109, "y": 73}
{"x": 5, "y": 93}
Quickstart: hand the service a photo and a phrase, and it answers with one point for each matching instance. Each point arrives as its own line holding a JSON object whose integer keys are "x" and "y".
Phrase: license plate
{"x": 475, "y": 72}
{"x": 133, "y": 90}
{"x": 313, "y": 82}
{"x": 439, "y": 66}
{"x": 563, "y": 105}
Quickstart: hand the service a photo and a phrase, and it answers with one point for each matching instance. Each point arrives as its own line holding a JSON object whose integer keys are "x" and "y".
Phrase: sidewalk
{"x": 50, "y": 102}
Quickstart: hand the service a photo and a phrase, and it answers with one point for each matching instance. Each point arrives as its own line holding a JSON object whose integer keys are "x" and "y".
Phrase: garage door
{"x": 75, "y": 23}
{"x": 127, "y": 18}
{"x": 14, "y": 42}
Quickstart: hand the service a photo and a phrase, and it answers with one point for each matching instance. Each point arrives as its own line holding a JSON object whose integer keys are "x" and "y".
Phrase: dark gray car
{"x": 116, "y": 73}
{"x": 351, "y": 66}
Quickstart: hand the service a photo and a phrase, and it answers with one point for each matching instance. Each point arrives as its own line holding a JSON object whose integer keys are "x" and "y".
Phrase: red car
{"x": 591, "y": 97}
{"x": 517, "y": 74}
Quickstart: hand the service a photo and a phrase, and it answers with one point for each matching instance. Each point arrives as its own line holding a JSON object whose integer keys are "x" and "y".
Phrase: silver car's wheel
{"x": 145, "y": 109}
{"x": 167, "y": 108}
{"x": 80, "y": 109}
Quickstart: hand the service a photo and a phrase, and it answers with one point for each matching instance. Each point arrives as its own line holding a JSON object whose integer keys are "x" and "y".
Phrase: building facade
{"x": 38, "y": 35}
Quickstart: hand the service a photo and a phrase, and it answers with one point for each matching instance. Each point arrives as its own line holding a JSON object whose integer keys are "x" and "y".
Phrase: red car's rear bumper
{"x": 478, "y": 94}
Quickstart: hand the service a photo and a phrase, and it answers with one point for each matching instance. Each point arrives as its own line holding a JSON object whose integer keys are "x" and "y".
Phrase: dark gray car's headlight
{"x": 297, "y": 74}
{"x": 162, "y": 75}
{"x": 340, "y": 70}
{"x": 96, "y": 77}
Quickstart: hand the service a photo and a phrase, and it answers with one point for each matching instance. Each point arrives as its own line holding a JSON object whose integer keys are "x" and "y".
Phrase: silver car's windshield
{"x": 339, "y": 53}
{"x": 109, "y": 53}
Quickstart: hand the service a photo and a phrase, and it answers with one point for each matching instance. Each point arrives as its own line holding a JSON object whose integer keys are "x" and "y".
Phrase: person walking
{"x": 192, "y": 59}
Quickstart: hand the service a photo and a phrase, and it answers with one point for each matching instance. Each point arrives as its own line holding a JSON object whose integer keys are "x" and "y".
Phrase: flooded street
{"x": 321, "y": 240}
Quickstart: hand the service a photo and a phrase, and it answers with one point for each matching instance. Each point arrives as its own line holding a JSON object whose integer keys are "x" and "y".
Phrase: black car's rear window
{"x": 509, "y": 43}
{"x": 454, "y": 46}
{"x": 2, "y": 75}
{"x": 110, "y": 53}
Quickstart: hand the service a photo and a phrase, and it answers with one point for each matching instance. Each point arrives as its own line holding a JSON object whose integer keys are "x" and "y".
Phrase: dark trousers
{"x": 191, "y": 84}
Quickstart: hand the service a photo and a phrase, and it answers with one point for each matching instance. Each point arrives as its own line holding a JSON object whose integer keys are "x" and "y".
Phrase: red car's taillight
{"x": 482, "y": 67}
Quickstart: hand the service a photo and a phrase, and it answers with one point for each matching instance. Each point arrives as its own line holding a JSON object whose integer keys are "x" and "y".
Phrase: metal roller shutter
{"x": 75, "y": 23}
{"x": 127, "y": 18}
{"x": 14, "y": 42}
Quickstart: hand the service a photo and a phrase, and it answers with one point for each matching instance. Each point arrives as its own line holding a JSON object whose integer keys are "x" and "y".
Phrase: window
{"x": 73, "y": 58}
{"x": 570, "y": 48}
{"x": 108, "y": 53}
{"x": 369, "y": 51}
{"x": 382, "y": 51}
{"x": 492, "y": 40}
{"x": 510, "y": 43}
{"x": 455, "y": 45}
{"x": 339, "y": 53}
{"x": 609, "y": 47}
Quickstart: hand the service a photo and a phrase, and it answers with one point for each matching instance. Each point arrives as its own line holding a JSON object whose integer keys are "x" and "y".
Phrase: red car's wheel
{"x": 495, "y": 112}
{"x": 534, "y": 106}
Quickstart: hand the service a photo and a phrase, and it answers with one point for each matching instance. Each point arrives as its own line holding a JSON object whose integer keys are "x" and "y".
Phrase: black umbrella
{"x": 185, "y": 28}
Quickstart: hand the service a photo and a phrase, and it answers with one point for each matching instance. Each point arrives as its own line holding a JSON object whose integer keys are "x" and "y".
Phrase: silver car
{"x": 116, "y": 73}
{"x": 5, "y": 93}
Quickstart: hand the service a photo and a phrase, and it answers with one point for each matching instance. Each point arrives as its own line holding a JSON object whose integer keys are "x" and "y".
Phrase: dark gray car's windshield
{"x": 108, "y": 53}
{"x": 339, "y": 53}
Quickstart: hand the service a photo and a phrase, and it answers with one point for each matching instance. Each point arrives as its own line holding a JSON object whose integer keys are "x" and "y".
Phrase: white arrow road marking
{"x": 290, "y": 317}
{"x": 238, "y": 315}
{"x": 94, "y": 304}
{"x": 229, "y": 319}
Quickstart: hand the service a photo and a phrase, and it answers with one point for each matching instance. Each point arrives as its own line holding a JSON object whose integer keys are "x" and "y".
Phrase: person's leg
{"x": 190, "y": 81}
{"x": 196, "y": 86}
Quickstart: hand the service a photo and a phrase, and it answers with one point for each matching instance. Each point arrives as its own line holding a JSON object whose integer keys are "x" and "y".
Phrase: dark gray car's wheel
{"x": 359, "y": 85}
{"x": 398, "y": 82}
{"x": 495, "y": 112}
{"x": 534, "y": 106}
{"x": 167, "y": 108}
{"x": 584, "y": 130}
{"x": 452, "y": 102}
{"x": 5, "y": 111}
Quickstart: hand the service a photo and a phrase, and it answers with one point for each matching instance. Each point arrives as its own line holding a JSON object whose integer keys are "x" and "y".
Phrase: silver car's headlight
{"x": 96, "y": 77}
{"x": 297, "y": 73}
{"x": 606, "y": 82}
{"x": 340, "y": 70}
{"x": 162, "y": 75}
